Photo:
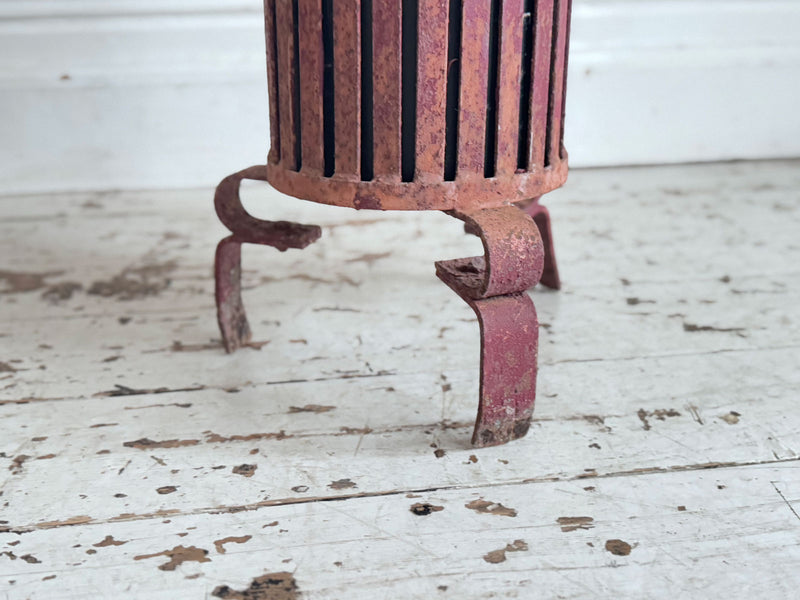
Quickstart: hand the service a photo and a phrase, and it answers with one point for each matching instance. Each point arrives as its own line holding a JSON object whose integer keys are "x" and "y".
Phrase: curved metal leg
{"x": 494, "y": 286}
{"x": 541, "y": 217}
{"x": 246, "y": 229}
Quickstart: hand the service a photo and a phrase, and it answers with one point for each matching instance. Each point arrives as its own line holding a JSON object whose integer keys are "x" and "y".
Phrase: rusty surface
{"x": 508, "y": 91}
{"x": 558, "y": 75}
{"x": 272, "y": 80}
{"x": 347, "y": 77}
{"x": 541, "y": 217}
{"x": 431, "y": 89}
{"x": 540, "y": 82}
{"x": 474, "y": 81}
{"x": 288, "y": 123}
{"x": 494, "y": 287}
{"x": 473, "y": 192}
{"x": 318, "y": 92}
{"x": 246, "y": 229}
{"x": 513, "y": 260}
{"x": 387, "y": 73}
{"x": 297, "y": 167}
{"x": 311, "y": 73}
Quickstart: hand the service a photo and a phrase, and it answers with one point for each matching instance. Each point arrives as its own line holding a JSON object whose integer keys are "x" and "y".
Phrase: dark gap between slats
{"x": 328, "y": 101}
{"x": 273, "y": 41}
{"x": 453, "y": 90}
{"x": 561, "y": 149}
{"x": 298, "y": 154}
{"x": 367, "y": 147}
{"x": 528, "y": 41}
{"x": 490, "y": 152}
{"x": 552, "y": 91}
{"x": 408, "y": 126}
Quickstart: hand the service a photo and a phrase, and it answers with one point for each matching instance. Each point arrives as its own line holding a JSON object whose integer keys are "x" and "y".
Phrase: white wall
{"x": 98, "y": 94}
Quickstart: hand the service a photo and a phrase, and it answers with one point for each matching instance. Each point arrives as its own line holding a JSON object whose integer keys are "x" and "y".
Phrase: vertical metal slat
{"x": 559, "y": 76}
{"x": 431, "y": 88}
{"x": 347, "y": 88}
{"x": 309, "y": 30}
{"x": 287, "y": 92}
{"x": 474, "y": 80}
{"x": 387, "y": 77}
{"x": 272, "y": 81}
{"x": 540, "y": 81}
{"x": 508, "y": 86}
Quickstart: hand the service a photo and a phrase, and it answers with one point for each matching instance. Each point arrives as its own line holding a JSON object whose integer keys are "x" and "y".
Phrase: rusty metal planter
{"x": 451, "y": 105}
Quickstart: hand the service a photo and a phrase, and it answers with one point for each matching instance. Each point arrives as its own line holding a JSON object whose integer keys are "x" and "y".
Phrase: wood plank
{"x": 672, "y": 530}
{"x": 621, "y": 276}
{"x": 664, "y": 426}
{"x": 590, "y": 422}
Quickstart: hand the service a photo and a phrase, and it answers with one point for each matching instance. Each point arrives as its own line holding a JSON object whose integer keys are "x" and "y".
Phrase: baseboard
{"x": 172, "y": 93}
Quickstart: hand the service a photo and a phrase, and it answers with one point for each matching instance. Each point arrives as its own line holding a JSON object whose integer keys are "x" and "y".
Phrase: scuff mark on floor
{"x": 312, "y": 408}
{"x": 135, "y": 282}
{"x": 147, "y": 444}
{"x": 661, "y": 414}
{"x": 341, "y": 484}
{"x": 17, "y": 282}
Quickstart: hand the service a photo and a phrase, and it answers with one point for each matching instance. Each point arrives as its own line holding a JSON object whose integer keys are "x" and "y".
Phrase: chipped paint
{"x": 109, "y": 541}
{"x": 148, "y": 444}
{"x": 312, "y": 408}
{"x": 618, "y": 547}
{"x": 423, "y": 508}
{"x": 341, "y": 484}
{"x": 274, "y": 586}
{"x": 220, "y": 544}
{"x": 177, "y": 556}
{"x": 491, "y": 508}
{"x": 498, "y": 556}
{"x": 135, "y": 282}
{"x": 18, "y": 282}
{"x": 574, "y": 523}
{"x": 245, "y": 470}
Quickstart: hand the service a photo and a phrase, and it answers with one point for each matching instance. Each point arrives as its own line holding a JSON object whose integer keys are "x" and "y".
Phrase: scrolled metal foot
{"x": 541, "y": 217}
{"x": 494, "y": 287}
{"x": 246, "y": 229}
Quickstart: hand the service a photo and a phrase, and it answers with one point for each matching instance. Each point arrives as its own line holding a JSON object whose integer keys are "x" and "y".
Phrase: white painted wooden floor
{"x": 138, "y": 460}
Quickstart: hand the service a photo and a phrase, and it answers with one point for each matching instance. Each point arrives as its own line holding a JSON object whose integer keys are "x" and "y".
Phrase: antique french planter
{"x": 449, "y": 105}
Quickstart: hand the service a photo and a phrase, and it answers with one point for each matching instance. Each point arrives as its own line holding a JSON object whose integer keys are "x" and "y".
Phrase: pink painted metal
{"x": 454, "y": 105}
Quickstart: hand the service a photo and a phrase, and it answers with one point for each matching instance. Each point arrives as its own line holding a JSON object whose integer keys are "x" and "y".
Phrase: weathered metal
{"x": 453, "y": 105}
{"x": 494, "y": 287}
{"x": 228, "y": 263}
